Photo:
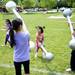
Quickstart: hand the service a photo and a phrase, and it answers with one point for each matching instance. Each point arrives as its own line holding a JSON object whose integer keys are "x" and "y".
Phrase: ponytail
{"x": 16, "y": 23}
{"x": 12, "y": 41}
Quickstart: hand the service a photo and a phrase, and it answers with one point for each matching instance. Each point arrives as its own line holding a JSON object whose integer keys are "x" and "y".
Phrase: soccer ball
{"x": 72, "y": 44}
{"x": 48, "y": 56}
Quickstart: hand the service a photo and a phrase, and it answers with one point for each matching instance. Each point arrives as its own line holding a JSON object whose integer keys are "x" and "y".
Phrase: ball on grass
{"x": 48, "y": 56}
{"x": 72, "y": 44}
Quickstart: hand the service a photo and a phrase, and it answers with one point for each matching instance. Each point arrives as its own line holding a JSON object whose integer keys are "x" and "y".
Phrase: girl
{"x": 19, "y": 39}
{"x": 8, "y": 27}
{"x": 39, "y": 38}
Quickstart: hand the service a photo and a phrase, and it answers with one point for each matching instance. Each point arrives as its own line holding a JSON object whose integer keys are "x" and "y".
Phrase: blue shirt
{"x": 22, "y": 48}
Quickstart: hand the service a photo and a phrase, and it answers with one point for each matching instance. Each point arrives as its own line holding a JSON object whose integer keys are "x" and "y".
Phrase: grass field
{"x": 57, "y": 36}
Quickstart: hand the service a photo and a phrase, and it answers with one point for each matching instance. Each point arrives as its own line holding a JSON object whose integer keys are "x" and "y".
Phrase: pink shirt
{"x": 39, "y": 38}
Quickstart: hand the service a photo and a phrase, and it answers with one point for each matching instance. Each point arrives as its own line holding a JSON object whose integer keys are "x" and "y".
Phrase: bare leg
{"x": 43, "y": 53}
{"x": 36, "y": 51}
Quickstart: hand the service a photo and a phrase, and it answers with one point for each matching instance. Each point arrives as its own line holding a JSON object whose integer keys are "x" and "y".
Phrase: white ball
{"x": 72, "y": 44}
{"x": 48, "y": 56}
{"x": 32, "y": 45}
{"x": 11, "y": 4}
{"x": 67, "y": 12}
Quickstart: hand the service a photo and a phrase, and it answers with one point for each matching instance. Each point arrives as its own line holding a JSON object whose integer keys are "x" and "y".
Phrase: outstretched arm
{"x": 18, "y": 16}
{"x": 11, "y": 5}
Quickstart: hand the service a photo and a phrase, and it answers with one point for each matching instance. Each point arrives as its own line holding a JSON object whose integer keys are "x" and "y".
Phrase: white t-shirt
{"x": 22, "y": 48}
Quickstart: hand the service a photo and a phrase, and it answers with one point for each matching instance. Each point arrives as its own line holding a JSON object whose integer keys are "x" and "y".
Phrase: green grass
{"x": 57, "y": 36}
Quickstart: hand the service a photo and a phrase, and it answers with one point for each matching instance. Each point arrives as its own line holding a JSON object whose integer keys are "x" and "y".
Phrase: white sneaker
{"x": 68, "y": 70}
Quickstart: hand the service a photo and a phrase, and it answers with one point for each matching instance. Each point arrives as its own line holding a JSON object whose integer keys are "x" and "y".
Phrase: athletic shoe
{"x": 68, "y": 70}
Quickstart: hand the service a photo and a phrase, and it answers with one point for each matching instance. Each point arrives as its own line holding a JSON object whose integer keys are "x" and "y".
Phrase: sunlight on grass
{"x": 57, "y": 36}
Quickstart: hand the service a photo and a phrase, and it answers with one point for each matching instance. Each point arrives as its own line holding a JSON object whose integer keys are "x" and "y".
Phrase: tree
{"x": 71, "y": 3}
{"x": 47, "y": 3}
{"x": 1, "y": 2}
{"x": 28, "y": 3}
{"x": 50, "y": 4}
{"x": 41, "y": 3}
{"x": 16, "y": 1}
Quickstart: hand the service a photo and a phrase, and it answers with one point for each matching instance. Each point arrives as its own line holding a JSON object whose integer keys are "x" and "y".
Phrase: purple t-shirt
{"x": 22, "y": 48}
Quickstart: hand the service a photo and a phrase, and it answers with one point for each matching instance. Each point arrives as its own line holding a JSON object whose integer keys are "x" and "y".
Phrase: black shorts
{"x": 72, "y": 62}
{"x": 25, "y": 65}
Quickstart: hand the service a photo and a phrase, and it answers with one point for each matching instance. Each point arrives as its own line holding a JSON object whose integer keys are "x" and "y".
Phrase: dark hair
{"x": 16, "y": 24}
{"x": 41, "y": 28}
{"x": 7, "y": 20}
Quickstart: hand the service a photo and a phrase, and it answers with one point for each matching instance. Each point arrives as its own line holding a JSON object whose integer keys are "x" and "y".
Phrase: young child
{"x": 8, "y": 28}
{"x": 19, "y": 39}
{"x": 39, "y": 39}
